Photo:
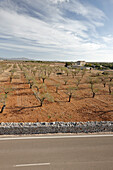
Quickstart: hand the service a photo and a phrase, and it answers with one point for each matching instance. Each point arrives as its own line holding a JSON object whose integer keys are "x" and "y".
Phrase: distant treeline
{"x": 45, "y": 62}
{"x": 100, "y": 66}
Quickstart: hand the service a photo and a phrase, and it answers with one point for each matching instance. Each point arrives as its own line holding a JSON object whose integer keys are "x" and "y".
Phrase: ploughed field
{"x": 35, "y": 92}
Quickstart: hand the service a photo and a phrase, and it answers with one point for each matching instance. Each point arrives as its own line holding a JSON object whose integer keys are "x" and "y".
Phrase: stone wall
{"x": 55, "y": 127}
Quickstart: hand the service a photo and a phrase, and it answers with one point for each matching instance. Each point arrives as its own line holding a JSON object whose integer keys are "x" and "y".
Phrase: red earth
{"x": 22, "y": 105}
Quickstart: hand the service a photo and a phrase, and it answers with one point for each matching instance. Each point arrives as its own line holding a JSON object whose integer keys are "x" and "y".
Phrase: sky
{"x": 57, "y": 30}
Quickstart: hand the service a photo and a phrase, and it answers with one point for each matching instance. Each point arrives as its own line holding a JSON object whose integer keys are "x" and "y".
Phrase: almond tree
{"x": 38, "y": 86}
{"x": 65, "y": 81}
{"x": 110, "y": 85}
{"x": 49, "y": 72}
{"x": 57, "y": 86}
{"x": 67, "y": 72}
{"x": 74, "y": 73}
{"x": 83, "y": 72}
{"x": 3, "y": 97}
{"x": 69, "y": 92}
{"x": 20, "y": 66}
{"x": 11, "y": 76}
{"x": 92, "y": 82}
{"x": 43, "y": 78}
{"x": 78, "y": 79}
{"x": 103, "y": 80}
{"x": 14, "y": 66}
{"x": 31, "y": 84}
{"x": 42, "y": 96}
{"x": 110, "y": 78}
{"x": 3, "y": 101}
{"x": 34, "y": 72}
{"x": 30, "y": 79}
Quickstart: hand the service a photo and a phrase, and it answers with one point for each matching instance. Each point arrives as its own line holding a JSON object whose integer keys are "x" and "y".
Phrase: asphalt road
{"x": 69, "y": 152}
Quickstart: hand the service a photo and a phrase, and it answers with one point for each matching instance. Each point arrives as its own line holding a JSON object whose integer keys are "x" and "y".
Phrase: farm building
{"x": 78, "y": 64}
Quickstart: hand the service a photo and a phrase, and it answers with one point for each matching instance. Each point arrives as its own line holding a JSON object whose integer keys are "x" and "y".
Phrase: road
{"x": 57, "y": 152}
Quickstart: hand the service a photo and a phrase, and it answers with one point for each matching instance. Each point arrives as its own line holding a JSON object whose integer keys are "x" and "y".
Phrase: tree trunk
{"x": 2, "y": 109}
{"x": 109, "y": 90}
{"x": 43, "y": 80}
{"x": 56, "y": 89}
{"x": 69, "y": 98}
{"x": 104, "y": 84}
{"x": 93, "y": 94}
{"x": 10, "y": 79}
{"x": 41, "y": 103}
{"x": 31, "y": 86}
{"x": 37, "y": 89}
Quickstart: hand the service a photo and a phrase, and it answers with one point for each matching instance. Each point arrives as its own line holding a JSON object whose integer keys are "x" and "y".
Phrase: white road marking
{"x": 36, "y": 164}
{"x": 54, "y": 137}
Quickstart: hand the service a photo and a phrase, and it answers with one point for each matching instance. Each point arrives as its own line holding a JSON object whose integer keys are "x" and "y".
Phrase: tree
{"x": 37, "y": 86}
{"x": 78, "y": 79}
{"x": 11, "y": 76}
{"x": 57, "y": 86}
{"x": 70, "y": 95}
{"x": 43, "y": 78}
{"x": 3, "y": 97}
{"x": 92, "y": 82}
{"x": 74, "y": 73}
{"x": 110, "y": 78}
{"x": 69, "y": 92}
{"x": 65, "y": 81}
{"x": 30, "y": 79}
{"x": 103, "y": 80}
{"x": 83, "y": 72}
{"x": 110, "y": 85}
{"x": 66, "y": 70}
{"x": 49, "y": 73}
{"x": 34, "y": 72}
{"x": 31, "y": 84}
{"x": 42, "y": 96}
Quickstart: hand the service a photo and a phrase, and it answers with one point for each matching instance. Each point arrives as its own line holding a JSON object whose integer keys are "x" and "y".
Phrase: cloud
{"x": 58, "y": 1}
{"x": 108, "y": 40}
{"x": 85, "y": 9}
{"x": 51, "y": 27}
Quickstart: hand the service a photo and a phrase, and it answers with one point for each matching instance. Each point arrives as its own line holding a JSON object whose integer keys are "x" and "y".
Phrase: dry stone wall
{"x": 55, "y": 127}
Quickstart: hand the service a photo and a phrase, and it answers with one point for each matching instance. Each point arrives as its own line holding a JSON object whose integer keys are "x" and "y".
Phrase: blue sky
{"x": 62, "y": 30}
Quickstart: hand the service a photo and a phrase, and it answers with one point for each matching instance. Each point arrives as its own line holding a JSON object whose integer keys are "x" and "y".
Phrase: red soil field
{"x": 22, "y": 105}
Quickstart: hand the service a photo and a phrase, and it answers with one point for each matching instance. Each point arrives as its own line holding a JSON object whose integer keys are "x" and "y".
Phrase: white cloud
{"x": 85, "y": 9}
{"x": 108, "y": 39}
{"x": 21, "y": 26}
{"x": 58, "y": 1}
{"x": 46, "y": 29}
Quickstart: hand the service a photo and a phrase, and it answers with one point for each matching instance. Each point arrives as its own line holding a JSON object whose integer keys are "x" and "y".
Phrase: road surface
{"x": 57, "y": 152}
